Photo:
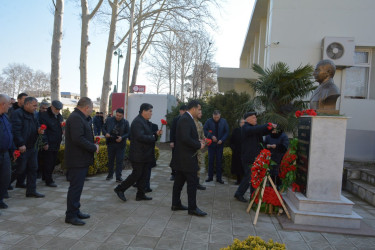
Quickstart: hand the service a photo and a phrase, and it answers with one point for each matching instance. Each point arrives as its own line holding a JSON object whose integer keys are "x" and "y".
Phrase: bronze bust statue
{"x": 325, "y": 96}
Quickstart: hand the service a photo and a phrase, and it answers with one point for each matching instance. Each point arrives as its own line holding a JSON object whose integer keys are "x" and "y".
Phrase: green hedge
{"x": 101, "y": 161}
{"x": 227, "y": 162}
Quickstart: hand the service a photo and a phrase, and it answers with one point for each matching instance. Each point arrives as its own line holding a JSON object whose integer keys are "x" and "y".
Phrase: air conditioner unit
{"x": 339, "y": 49}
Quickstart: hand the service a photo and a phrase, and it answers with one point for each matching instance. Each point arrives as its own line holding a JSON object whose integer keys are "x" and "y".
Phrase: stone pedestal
{"x": 323, "y": 204}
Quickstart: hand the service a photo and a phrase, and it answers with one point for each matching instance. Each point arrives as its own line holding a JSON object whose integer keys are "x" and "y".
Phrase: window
{"x": 358, "y": 80}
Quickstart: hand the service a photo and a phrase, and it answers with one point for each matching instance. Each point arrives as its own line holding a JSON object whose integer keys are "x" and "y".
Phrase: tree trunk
{"x": 126, "y": 76}
{"x": 84, "y": 46}
{"x": 182, "y": 75}
{"x": 108, "y": 59}
{"x": 86, "y": 17}
{"x": 138, "y": 55}
{"x": 56, "y": 49}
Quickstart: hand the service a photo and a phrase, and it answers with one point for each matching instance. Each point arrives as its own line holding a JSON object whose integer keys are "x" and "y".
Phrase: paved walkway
{"x": 31, "y": 223}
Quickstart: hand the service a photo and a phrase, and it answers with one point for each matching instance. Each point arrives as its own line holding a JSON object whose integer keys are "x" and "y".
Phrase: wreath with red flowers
{"x": 260, "y": 167}
{"x": 288, "y": 167}
{"x": 269, "y": 197}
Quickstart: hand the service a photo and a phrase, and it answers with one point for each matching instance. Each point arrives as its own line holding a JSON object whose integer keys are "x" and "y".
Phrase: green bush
{"x": 254, "y": 242}
{"x": 227, "y": 162}
{"x": 101, "y": 160}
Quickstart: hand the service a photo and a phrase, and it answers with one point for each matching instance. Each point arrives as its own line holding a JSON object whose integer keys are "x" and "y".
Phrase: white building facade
{"x": 298, "y": 32}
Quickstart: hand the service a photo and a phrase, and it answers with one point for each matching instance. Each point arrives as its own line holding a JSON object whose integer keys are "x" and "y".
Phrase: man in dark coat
{"x": 277, "y": 142}
{"x": 142, "y": 143}
{"x": 250, "y": 148}
{"x": 79, "y": 155}
{"x": 186, "y": 162}
{"x": 116, "y": 131}
{"x": 6, "y": 145}
{"x": 20, "y": 101}
{"x": 98, "y": 124}
{"x": 235, "y": 145}
{"x": 26, "y": 130}
{"x": 219, "y": 133}
{"x": 52, "y": 140}
{"x": 172, "y": 138}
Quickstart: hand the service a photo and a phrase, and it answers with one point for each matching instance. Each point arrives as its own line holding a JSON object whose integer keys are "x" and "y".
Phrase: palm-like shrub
{"x": 280, "y": 92}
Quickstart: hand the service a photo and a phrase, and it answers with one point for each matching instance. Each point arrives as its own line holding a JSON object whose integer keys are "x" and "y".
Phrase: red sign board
{"x": 139, "y": 88}
{"x": 118, "y": 101}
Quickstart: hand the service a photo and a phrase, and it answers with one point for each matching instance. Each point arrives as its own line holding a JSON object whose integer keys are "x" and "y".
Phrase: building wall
{"x": 161, "y": 103}
{"x": 295, "y": 30}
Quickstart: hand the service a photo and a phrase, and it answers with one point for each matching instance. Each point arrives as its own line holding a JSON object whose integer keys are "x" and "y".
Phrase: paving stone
{"x": 39, "y": 223}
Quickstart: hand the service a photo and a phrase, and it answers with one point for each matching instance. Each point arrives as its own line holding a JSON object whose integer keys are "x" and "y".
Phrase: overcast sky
{"x": 26, "y": 33}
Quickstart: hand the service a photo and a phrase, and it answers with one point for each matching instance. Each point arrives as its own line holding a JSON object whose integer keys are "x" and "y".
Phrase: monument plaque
{"x": 304, "y": 135}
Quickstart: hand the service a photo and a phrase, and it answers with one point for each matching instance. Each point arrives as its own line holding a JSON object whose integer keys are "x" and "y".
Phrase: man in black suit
{"x": 186, "y": 161}
{"x": 79, "y": 155}
{"x": 173, "y": 138}
{"x": 141, "y": 153}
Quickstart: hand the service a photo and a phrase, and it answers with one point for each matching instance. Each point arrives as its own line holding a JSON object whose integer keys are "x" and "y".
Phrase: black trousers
{"x": 116, "y": 151}
{"x": 4, "y": 173}
{"x": 172, "y": 163}
{"x": 139, "y": 175}
{"x": 76, "y": 177}
{"x": 192, "y": 181}
{"x": 48, "y": 164}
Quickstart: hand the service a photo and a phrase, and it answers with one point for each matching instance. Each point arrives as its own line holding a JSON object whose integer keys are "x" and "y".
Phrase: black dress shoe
{"x": 240, "y": 198}
{"x": 20, "y": 185}
{"x": 120, "y": 194}
{"x": 146, "y": 198}
{"x": 35, "y": 195}
{"x": 197, "y": 212}
{"x": 200, "y": 187}
{"x": 119, "y": 180}
{"x": 83, "y": 216}
{"x": 172, "y": 178}
{"x": 75, "y": 221}
{"x": 109, "y": 178}
{"x": 148, "y": 190}
{"x": 208, "y": 180}
{"x": 180, "y": 207}
{"x": 52, "y": 184}
{"x": 220, "y": 181}
{"x": 3, "y": 205}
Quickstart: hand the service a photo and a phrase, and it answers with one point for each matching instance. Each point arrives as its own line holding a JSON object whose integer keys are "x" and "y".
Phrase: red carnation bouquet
{"x": 96, "y": 161}
{"x": 207, "y": 142}
{"x": 163, "y": 123}
{"x": 39, "y": 141}
{"x": 16, "y": 154}
{"x": 311, "y": 112}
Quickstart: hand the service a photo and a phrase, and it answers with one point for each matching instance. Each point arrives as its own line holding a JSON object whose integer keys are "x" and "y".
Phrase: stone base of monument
{"x": 338, "y": 213}
{"x": 320, "y": 205}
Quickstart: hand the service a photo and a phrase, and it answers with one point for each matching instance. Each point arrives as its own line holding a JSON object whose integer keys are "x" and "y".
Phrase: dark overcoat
{"x": 53, "y": 133}
{"x": 252, "y": 142}
{"x": 142, "y": 141}
{"x": 79, "y": 141}
{"x": 187, "y": 144}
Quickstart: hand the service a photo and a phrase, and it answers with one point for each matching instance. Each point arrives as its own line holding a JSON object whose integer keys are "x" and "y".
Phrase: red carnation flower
{"x": 163, "y": 122}
{"x": 43, "y": 127}
{"x": 63, "y": 124}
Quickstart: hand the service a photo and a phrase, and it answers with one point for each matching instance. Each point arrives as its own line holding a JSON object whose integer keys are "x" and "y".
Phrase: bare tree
{"x": 86, "y": 17}
{"x": 56, "y": 49}
{"x": 157, "y": 79}
{"x": 40, "y": 83}
{"x": 108, "y": 59}
{"x": 17, "y": 78}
